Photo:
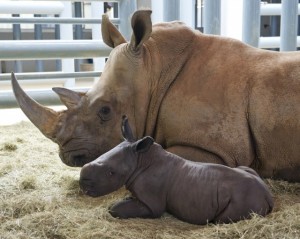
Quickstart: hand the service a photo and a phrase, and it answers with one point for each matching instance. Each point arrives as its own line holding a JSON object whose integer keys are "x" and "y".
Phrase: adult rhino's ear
{"x": 142, "y": 28}
{"x": 143, "y": 144}
{"x": 70, "y": 98}
{"x": 110, "y": 34}
{"x": 126, "y": 130}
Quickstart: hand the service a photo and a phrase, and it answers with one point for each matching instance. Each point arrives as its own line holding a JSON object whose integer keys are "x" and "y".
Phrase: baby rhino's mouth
{"x": 86, "y": 186}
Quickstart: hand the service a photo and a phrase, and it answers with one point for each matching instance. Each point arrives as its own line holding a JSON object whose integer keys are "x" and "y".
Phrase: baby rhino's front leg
{"x": 130, "y": 208}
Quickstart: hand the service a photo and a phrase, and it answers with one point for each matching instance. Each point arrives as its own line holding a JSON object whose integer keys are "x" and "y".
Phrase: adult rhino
{"x": 205, "y": 98}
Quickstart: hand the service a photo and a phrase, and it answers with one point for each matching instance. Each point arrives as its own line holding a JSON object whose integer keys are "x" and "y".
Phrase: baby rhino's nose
{"x": 85, "y": 177}
{"x": 86, "y": 171}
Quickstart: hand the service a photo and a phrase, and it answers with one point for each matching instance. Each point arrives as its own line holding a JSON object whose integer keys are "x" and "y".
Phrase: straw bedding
{"x": 40, "y": 198}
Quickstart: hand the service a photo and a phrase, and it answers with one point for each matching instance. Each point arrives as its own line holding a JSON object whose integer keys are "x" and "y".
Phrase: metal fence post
{"x": 144, "y": 4}
{"x": 187, "y": 12}
{"x": 212, "y": 16}
{"x": 58, "y": 64}
{"x": 251, "y": 22}
{"x": 171, "y": 10}
{"x": 17, "y": 36}
{"x": 127, "y": 8}
{"x": 78, "y": 31}
{"x": 288, "y": 26}
{"x": 38, "y": 35}
{"x": 97, "y": 9}
{"x": 66, "y": 33}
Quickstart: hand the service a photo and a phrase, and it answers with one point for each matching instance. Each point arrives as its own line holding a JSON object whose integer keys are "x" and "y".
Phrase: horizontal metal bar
{"x": 52, "y": 49}
{"x": 272, "y": 9}
{"x": 84, "y": 0}
{"x": 54, "y": 20}
{"x": 50, "y": 75}
{"x": 45, "y": 97}
{"x": 31, "y": 7}
{"x": 272, "y": 42}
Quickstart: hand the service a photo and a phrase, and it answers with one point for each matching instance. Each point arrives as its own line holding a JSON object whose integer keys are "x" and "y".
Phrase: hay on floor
{"x": 40, "y": 198}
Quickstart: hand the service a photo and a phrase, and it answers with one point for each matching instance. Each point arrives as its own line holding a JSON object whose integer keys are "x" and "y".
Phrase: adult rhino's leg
{"x": 130, "y": 208}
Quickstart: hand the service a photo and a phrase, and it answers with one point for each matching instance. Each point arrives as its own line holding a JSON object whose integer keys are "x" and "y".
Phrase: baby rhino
{"x": 160, "y": 181}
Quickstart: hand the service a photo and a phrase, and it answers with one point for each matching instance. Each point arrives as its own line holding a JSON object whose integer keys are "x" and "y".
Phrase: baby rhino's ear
{"x": 143, "y": 144}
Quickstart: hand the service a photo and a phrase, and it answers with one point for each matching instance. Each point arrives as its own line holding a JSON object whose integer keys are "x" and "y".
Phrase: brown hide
{"x": 228, "y": 102}
{"x": 241, "y": 107}
{"x": 205, "y": 98}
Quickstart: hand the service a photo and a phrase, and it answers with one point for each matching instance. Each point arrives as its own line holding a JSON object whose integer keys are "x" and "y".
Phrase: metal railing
{"x": 289, "y": 11}
{"x": 67, "y": 48}
{"x": 54, "y": 20}
{"x": 52, "y": 49}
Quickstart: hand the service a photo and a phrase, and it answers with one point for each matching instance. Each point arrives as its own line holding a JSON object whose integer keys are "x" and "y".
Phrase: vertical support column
{"x": 58, "y": 65}
{"x": 288, "y": 26}
{"x": 157, "y": 11}
{"x": 199, "y": 15}
{"x": 38, "y": 35}
{"x": 127, "y": 8}
{"x": 66, "y": 33}
{"x": 171, "y": 10}
{"x": 232, "y": 18}
{"x": 144, "y": 4}
{"x": 212, "y": 16}
{"x": 17, "y": 36}
{"x": 187, "y": 12}
{"x": 78, "y": 31}
{"x": 251, "y": 22}
{"x": 97, "y": 9}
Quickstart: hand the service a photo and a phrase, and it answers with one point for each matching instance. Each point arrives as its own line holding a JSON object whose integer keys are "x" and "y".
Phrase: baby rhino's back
{"x": 215, "y": 193}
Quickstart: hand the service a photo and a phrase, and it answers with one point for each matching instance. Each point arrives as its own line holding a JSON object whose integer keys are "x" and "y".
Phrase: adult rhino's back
{"x": 235, "y": 105}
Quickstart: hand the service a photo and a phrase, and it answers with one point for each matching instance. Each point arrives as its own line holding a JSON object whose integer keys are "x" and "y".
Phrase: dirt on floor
{"x": 40, "y": 198}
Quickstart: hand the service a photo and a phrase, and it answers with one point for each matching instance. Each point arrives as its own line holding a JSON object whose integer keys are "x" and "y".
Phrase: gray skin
{"x": 160, "y": 181}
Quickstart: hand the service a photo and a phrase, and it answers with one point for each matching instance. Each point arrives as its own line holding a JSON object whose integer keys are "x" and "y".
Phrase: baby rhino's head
{"x": 112, "y": 170}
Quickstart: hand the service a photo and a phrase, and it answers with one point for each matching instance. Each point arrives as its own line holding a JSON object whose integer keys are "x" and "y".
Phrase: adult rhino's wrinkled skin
{"x": 205, "y": 98}
{"x": 160, "y": 181}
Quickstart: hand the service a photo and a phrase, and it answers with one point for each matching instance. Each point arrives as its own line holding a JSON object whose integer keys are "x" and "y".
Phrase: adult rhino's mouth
{"x": 76, "y": 158}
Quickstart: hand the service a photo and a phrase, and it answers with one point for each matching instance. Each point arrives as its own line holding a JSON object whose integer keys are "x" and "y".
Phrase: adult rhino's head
{"x": 89, "y": 126}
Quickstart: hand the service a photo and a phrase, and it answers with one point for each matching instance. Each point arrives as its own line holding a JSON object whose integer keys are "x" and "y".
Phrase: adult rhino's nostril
{"x": 79, "y": 160}
{"x": 76, "y": 159}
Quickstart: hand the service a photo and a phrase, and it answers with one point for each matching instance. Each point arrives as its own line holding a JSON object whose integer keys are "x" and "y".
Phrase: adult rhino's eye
{"x": 105, "y": 113}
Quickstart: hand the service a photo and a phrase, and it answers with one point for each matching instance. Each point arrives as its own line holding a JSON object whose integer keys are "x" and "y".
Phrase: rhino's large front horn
{"x": 43, "y": 118}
